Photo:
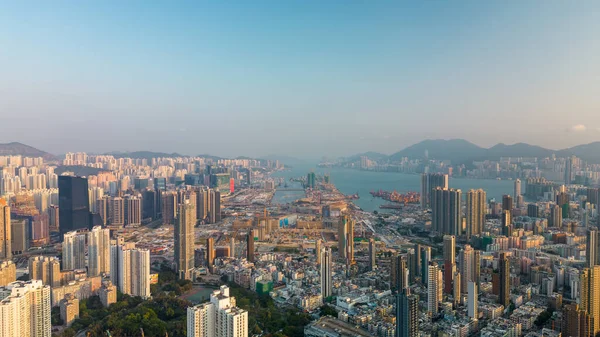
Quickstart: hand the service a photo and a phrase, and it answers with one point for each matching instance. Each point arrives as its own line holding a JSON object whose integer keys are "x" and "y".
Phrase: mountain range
{"x": 463, "y": 151}
{"x": 16, "y": 148}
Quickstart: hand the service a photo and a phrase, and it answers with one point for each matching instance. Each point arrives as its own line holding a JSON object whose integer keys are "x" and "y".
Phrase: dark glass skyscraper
{"x": 73, "y": 204}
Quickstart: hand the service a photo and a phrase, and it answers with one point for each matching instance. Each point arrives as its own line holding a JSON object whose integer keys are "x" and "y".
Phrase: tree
{"x": 327, "y": 310}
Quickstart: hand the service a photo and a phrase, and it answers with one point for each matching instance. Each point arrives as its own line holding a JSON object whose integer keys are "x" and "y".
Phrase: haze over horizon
{"x": 303, "y": 79}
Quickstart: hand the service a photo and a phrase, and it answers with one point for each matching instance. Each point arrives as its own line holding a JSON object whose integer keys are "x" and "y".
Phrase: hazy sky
{"x": 304, "y": 78}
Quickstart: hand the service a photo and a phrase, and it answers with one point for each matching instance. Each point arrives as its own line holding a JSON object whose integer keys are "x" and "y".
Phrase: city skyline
{"x": 339, "y": 77}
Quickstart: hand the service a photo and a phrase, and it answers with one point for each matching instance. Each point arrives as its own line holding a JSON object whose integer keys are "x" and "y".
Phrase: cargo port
{"x": 408, "y": 198}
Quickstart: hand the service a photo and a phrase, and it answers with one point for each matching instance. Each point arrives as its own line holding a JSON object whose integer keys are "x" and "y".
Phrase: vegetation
{"x": 544, "y": 317}
{"x": 327, "y": 310}
{"x": 264, "y": 317}
{"x": 164, "y": 313}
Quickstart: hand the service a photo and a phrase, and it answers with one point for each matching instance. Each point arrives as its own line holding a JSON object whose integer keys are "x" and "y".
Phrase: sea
{"x": 350, "y": 181}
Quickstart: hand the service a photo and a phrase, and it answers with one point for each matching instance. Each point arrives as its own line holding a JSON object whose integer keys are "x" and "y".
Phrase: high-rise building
{"x": 449, "y": 262}
{"x": 5, "y": 231}
{"x": 311, "y": 180}
{"x": 202, "y": 204}
{"x": 215, "y": 206}
{"x": 575, "y": 322}
{"x": 434, "y": 288}
{"x": 98, "y": 251}
{"x": 372, "y": 254}
{"x": 131, "y": 269}
{"x": 184, "y": 240}
{"x": 169, "y": 203}
{"x": 472, "y": 302}
{"x": 533, "y": 211}
{"x": 46, "y": 269}
{"x": 555, "y": 216}
{"x": 429, "y": 182}
{"x": 415, "y": 266}
{"x": 107, "y": 294}
{"x": 73, "y": 203}
{"x": 569, "y": 170}
{"x": 398, "y": 273}
{"x": 591, "y": 248}
{"x": 210, "y": 252}
{"x": 507, "y": 203}
{"x": 8, "y": 272}
{"x": 217, "y": 318}
{"x": 446, "y": 211}
{"x": 517, "y": 191}
{"x": 476, "y": 210}
{"x": 590, "y": 298}
{"x": 456, "y": 291}
{"x": 132, "y": 209}
{"x": 25, "y": 309}
{"x": 318, "y": 244}
{"x": 250, "y": 246}
{"x": 504, "y": 268}
{"x": 116, "y": 210}
{"x": 469, "y": 266}
{"x": 425, "y": 259}
{"x": 407, "y": 314}
{"x": 149, "y": 204}
{"x": 102, "y": 208}
{"x": 326, "y": 267}
{"x": 232, "y": 246}
{"x": 73, "y": 251}
{"x": 506, "y": 223}
{"x": 346, "y": 239}
{"x": 69, "y": 309}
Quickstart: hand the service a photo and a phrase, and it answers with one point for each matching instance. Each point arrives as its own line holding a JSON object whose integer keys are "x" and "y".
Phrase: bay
{"x": 350, "y": 181}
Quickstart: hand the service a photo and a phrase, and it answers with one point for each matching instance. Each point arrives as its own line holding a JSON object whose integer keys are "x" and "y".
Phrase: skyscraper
{"x": 476, "y": 210}
{"x": 506, "y": 223}
{"x": 217, "y": 318}
{"x": 434, "y": 288}
{"x": 569, "y": 170}
{"x": 407, "y": 314}
{"x": 425, "y": 259}
{"x": 215, "y": 206}
{"x": 398, "y": 274}
{"x": 446, "y": 211}
{"x": 533, "y": 211}
{"x": 504, "y": 267}
{"x": 429, "y": 182}
{"x": 132, "y": 210}
{"x": 5, "y": 231}
{"x": 210, "y": 252}
{"x": 130, "y": 268}
{"x": 590, "y": 297}
{"x": 469, "y": 266}
{"x": 507, "y": 203}
{"x": 575, "y": 322}
{"x": 73, "y": 203}
{"x": 449, "y": 262}
{"x": 473, "y": 300}
{"x": 555, "y": 216}
{"x": 169, "y": 203}
{"x": 326, "y": 266}
{"x": 184, "y": 240}
{"x": 591, "y": 248}
{"x": 346, "y": 239}
{"x": 318, "y": 244}
{"x": 116, "y": 210}
{"x": 372, "y": 254}
{"x": 517, "y": 192}
{"x": 232, "y": 246}
{"x": 73, "y": 251}
{"x": 250, "y": 246}
{"x": 98, "y": 251}
{"x": 25, "y": 309}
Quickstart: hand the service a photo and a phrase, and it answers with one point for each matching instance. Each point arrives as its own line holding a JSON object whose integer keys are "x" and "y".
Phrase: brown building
{"x": 69, "y": 309}
{"x": 575, "y": 322}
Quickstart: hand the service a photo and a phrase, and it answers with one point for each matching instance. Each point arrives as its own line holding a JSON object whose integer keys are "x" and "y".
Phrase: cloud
{"x": 577, "y": 128}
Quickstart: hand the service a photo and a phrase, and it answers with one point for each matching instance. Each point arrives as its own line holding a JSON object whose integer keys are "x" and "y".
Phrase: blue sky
{"x": 304, "y": 78}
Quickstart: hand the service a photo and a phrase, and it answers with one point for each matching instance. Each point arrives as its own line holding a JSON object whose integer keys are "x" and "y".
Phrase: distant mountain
{"x": 588, "y": 152}
{"x": 462, "y": 151}
{"x": 517, "y": 150}
{"x": 453, "y": 149}
{"x": 16, "y": 148}
{"x": 143, "y": 154}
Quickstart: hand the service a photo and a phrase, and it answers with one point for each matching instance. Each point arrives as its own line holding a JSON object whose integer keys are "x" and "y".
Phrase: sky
{"x": 300, "y": 78}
